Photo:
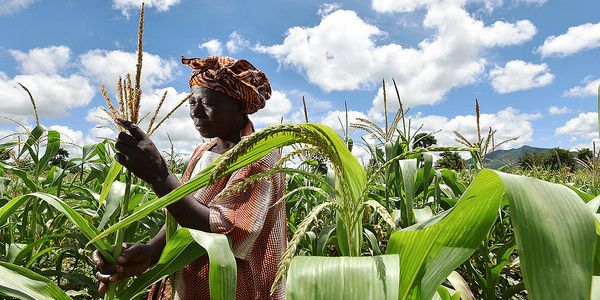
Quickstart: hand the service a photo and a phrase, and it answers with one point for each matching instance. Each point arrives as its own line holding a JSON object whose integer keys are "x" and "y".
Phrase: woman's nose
{"x": 198, "y": 110}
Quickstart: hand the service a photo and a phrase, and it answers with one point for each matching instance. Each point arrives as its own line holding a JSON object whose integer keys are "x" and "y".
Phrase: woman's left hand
{"x": 137, "y": 153}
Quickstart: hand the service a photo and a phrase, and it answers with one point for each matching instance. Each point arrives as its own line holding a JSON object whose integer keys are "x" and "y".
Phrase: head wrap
{"x": 236, "y": 78}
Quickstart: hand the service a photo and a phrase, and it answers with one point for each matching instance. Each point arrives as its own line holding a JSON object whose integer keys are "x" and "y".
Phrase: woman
{"x": 224, "y": 91}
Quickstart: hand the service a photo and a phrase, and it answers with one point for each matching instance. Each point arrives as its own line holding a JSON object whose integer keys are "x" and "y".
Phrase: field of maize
{"x": 398, "y": 227}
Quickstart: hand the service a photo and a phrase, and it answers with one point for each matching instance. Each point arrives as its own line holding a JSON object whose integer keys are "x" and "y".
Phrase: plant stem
{"x": 112, "y": 287}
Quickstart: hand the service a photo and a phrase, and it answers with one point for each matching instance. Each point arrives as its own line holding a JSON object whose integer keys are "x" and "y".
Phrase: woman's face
{"x": 214, "y": 113}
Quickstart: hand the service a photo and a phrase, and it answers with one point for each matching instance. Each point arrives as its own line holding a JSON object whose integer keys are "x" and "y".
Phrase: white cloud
{"x": 327, "y": 8}
{"x": 127, "y": 6}
{"x": 449, "y": 59}
{"x": 213, "y": 47}
{"x": 589, "y": 88}
{"x": 236, "y": 43}
{"x": 106, "y": 67}
{"x": 508, "y": 122}
{"x": 577, "y": 39}
{"x": 337, "y": 119}
{"x": 54, "y": 95}
{"x": 519, "y": 75}
{"x": 490, "y": 5}
{"x": 49, "y": 60}
{"x": 391, "y": 6}
{"x": 555, "y": 110}
{"x": 584, "y": 126}
{"x": 276, "y": 108}
{"x": 10, "y": 6}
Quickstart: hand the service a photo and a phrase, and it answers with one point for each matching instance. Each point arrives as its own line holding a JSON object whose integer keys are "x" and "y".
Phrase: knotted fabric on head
{"x": 236, "y": 78}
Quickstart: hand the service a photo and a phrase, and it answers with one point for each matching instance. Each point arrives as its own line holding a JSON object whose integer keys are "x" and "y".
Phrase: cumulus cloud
{"x": 49, "y": 60}
{"x": 509, "y": 122}
{"x": 11, "y": 6}
{"x": 391, "y": 6}
{"x": 555, "y": 110}
{"x": 213, "y": 47}
{"x": 127, "y": 6}
{"x": 519, "y": 75}
{"x": 276, "y": 108}
{"x": 449, "y": 59}
{"x": 589, "y": 87}
{"x": 54, "y": 94}
{"x": 327, "y": 8}
{"x": 584, "y": 126}
{"x": 236, "y": 43}
{"x": 106, "y": 67}
{"x": 337, "y": 119}
{"x": 576, "y": 39}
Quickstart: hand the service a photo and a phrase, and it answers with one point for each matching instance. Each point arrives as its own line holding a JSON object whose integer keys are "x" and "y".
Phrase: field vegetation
{"x": 398, "y": 227}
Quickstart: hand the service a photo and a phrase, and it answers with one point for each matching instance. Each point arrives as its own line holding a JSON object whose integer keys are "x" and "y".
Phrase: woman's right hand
{"x": 134, "y": 260}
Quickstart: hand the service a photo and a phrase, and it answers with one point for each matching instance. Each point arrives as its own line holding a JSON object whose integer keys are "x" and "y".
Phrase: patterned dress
{"x": 255, "y": 226}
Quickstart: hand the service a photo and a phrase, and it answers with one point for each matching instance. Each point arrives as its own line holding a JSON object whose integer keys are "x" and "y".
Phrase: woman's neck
{"x": 224, "y": 143}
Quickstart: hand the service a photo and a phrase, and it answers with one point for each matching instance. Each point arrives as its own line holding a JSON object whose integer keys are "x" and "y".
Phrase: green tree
{"x": 531, "y": 160}
{"x": 450, "y": 160}
{"x": 424, "y": 140}
{"x": 558, "y": 158}
{"x": 585, "y": 154}
{"x": 60, "y": 159}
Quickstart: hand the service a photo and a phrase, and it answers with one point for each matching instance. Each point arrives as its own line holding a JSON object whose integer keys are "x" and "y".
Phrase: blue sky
{"x": 533, "y": 64}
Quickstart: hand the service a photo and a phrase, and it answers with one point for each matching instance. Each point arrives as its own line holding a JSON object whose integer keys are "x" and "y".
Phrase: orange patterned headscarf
{"x": 236, "y": 78}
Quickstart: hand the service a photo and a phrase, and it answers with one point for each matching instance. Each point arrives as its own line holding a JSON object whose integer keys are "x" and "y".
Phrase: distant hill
{"x": 509, "y": 157}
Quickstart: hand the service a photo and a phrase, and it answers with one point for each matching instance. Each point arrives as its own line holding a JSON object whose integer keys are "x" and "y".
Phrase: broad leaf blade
{"x": 430, "y": 251}
{"x": 555, "y": 235}
{"x": 52, "y": 146}
{"x": 19, "y": 282}
{"x": 179, "y": 251}
{"x": 113, "y": 172}
{"x": 317, "y": 277}
{"x": 222, "y": 273}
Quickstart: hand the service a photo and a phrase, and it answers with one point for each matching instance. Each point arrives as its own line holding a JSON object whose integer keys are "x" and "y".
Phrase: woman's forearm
{"x": 187, "y": 211}
{"x": 158, "y": 243}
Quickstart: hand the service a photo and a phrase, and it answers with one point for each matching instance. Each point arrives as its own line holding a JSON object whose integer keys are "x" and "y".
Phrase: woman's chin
{"x": 205, "y": 134}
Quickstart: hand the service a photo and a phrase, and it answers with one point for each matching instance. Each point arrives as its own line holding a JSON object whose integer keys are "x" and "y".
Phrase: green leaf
{"x": 117, "y": 191}
{"x": 408, "y": 168}
{"x": 185, "y": 246}
{"x": 427, "y": 174}
{"x": 19, "y": 282}
{"x": 222, "y": 274}
{"x": 322, "y": 240}
{"x": 316, "y": 277}
{"x": 179, "y": 251}
{"x": 52, "y": 146}
{"x": 23, "y": 175}
{"x": 33, "y": 138}
{"x": 82, "y": 224}
{"x": 113, "y": 172}
{"x": 554, "y": 231}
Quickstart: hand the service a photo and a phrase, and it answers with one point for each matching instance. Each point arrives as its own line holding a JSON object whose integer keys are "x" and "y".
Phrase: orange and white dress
{"x": 250, "y": 219}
